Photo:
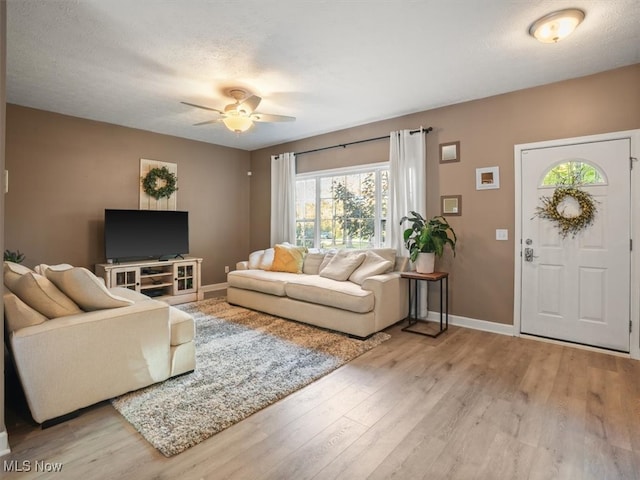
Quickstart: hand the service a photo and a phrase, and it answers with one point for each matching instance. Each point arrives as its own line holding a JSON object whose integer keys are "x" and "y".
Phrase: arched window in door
{"x": 574, "y": 172}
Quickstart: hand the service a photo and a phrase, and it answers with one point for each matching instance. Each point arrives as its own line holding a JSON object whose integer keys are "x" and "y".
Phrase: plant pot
{"x": 425, "y": 263}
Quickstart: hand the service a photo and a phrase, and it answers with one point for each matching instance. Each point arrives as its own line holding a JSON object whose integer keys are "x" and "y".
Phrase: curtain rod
{"x": 344, "y": 145}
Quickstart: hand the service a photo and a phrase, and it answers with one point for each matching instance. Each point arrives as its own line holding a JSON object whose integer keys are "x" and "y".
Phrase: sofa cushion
{"x": 342, "y": 265}
{"x": 312, "y": 262}
{"x": 373, "y": 264}
{"x": 19, "y": 315}
{"x": 287, "y": 258}
{"x": 84, "y": 288}
{"x": 182, "y": 326}
{"x": 42, "y": 295}
{"x": 260, "y": 281}
{"x": 329, "y": 292}
{"x": 12, "y": 273}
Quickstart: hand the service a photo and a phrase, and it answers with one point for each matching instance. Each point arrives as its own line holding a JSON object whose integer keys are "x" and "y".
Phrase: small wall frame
{"x": 487, "y": 178}
{"x": 451, "y": 204}
{"x": 450, "y": 152}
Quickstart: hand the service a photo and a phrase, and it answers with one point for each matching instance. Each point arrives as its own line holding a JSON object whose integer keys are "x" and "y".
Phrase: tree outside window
{"x": 351, "y": 209}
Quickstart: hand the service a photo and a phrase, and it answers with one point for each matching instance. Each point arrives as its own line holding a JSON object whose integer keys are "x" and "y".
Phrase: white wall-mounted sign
{"x": 147, "y": 202}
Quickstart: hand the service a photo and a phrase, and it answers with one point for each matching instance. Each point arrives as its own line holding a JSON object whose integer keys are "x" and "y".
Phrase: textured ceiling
{"x": 331, "y": 64}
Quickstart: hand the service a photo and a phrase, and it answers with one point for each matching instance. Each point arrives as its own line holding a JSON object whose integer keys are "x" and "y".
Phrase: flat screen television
{"x": 144, "y": 234}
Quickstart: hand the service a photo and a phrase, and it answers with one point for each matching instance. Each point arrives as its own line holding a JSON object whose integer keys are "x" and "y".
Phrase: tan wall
{"x": 482, "y": 272}
{"x": 64, "y": 171}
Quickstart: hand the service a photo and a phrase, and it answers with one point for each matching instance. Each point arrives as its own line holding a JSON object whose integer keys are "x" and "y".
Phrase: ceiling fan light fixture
{"x": 237, "y": 123}
{"x": 557, "y": 25}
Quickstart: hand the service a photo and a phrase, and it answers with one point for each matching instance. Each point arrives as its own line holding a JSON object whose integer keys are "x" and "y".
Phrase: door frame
{"x": 634, "y": 137}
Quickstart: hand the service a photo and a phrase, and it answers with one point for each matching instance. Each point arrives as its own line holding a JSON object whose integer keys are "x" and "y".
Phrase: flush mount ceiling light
{"x": 557, "y": 25}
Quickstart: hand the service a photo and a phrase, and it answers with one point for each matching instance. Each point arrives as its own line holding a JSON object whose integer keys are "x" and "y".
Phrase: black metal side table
{"x": 412, "y": 318}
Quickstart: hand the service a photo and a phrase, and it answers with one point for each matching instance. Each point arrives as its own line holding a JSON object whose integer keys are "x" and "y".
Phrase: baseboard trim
{"x": 4, "y": 444}
{"x": 466, "y": 322}
{"x": 214, "y": 287}
{"x": 576, "y": 345}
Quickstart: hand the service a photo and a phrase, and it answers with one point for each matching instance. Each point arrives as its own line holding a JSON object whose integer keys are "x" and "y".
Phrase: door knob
{"x": 528, "y": 255}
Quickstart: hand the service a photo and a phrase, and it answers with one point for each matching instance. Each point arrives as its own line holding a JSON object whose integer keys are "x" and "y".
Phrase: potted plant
{"x": 16, "y": 257}
{"x": 427, "y": 238}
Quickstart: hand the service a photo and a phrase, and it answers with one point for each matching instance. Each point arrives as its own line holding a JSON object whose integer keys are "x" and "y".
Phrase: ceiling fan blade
{"x": 201, "y": 106}
{"x": 250, "y": 104}
{"x": 267, "y": 117}
{"x": 207, "y": 122}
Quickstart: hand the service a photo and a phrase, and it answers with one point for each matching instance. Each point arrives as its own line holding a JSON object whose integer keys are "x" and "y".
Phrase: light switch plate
{"x": 502, "y": 234}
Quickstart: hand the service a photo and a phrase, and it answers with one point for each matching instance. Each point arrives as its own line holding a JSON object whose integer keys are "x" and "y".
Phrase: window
{"x": 576, "y": 172}
{"x": 344, "y": 208}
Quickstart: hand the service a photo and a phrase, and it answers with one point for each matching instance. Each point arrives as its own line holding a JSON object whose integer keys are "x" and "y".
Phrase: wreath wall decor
{"x": 568, "y": 224}
{"x": 150, "y": 183}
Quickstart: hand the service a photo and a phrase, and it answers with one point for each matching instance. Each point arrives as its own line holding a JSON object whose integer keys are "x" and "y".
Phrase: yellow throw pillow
{"x": 288, "y": 258}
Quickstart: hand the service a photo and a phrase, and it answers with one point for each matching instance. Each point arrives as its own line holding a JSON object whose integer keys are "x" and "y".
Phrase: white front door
{"x": 577, "y": 288}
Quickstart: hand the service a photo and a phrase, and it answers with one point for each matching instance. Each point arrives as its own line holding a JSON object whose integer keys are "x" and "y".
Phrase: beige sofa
{"x": 359, "y": 303}
{"x": 75, "y": 348}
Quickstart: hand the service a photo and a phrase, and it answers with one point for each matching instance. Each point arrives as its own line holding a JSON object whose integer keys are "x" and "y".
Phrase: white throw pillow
{"x": 312, "y": 263}
{"x": 84, "y": 288}
{"x": 43, "y": 267}
{"x": 267, "y": 259}
{"x": 42, "y": 295}
{"x": 12, "y": 273}
{"x": 18, "y": 314}
{"x": 255, "y": 258}
{"x": 388, "y": 254}
{"x": 373, "y": 264}
{"x": 328, "y": 256}
{"x": 342, "y": 265}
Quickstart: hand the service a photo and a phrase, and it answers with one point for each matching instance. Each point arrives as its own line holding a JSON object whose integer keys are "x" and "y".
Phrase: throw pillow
{"x": 18, "y": 314}
{"x": 42, "y": 295}
{"x": 327, "y": 258}
{"x": 267, "y": 259}
{"x": 84, "y": 288}
{"x": 43, "y": 267}
{"x": 388, "y": 254}
{"x": 373, "y": 264}
{"x": 12, "y": 273}
{"x": 312, "y": 262}
{"x": 288, "y": 258}
{"x": 255, "y": 258}
{"x": 342, "y": 265}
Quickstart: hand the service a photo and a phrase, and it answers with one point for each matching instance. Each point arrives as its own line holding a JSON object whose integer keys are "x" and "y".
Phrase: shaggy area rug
{"x": 245, "y": 361}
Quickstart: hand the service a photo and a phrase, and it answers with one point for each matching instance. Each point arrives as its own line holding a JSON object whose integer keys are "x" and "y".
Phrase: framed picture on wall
{"x": 450, "y": 152}
{"x": 487, "y": 178}
{"x": 451, "y": 204}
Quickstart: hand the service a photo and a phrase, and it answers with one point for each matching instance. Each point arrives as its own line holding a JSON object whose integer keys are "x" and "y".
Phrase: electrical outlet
{"x": 226, "y": 269}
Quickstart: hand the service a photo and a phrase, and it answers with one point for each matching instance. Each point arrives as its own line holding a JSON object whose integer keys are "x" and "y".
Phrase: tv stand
{"x": 174, "y": 280}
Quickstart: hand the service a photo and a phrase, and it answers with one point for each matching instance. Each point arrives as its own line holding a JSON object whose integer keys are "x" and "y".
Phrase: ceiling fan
{"x": 239, "y": 116}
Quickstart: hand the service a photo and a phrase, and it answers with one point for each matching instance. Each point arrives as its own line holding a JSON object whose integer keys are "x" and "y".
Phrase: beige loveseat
{"x": 75, "y": 343}
{"x": 327, "y": 292}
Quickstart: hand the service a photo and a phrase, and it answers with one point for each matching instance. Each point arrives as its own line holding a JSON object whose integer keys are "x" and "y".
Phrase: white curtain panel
{"x": 407, "y": 190}
{"x": 283, "y": 197}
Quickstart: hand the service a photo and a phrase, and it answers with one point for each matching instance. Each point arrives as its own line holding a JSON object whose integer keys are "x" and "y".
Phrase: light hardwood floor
{"x": 467, "y": 405}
